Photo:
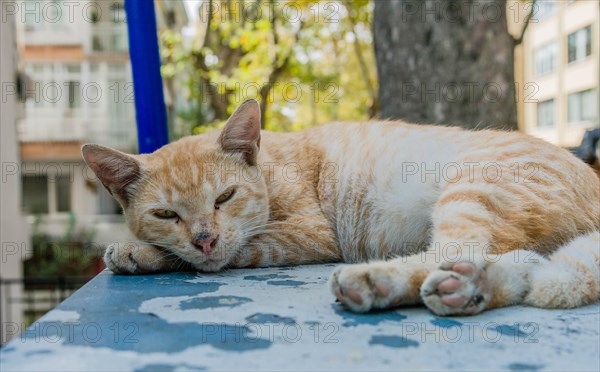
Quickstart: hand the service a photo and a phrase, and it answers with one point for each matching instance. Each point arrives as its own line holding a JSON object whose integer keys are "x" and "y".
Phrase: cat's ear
{"x": 116, "y": 170}
{"x": 242, "y": 131}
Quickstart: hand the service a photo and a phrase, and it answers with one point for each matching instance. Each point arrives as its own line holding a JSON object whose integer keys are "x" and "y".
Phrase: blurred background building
{"x": 561, "y": 71}
{"x": 78, "y": 89}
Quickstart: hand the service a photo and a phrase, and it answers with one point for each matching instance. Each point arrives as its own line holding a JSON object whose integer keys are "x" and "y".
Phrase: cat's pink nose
{"x": 205, "y": 241}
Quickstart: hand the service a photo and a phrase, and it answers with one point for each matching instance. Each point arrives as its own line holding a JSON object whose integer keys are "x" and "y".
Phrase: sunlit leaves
{"x": 320, "y": 81}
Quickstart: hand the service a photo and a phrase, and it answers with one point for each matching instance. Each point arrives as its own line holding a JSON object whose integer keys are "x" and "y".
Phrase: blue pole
{"x": 150, "y": 110}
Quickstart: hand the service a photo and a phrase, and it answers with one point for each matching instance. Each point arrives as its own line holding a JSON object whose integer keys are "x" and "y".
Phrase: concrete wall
{"x": 13, "y": 234}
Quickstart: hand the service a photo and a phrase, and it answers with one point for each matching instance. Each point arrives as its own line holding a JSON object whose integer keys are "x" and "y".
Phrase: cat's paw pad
{"x": 462, "y": 290}
{"x": 364, "y": 287}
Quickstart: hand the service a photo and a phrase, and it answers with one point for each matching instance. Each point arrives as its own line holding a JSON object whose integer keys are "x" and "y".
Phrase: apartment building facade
{"x": 79, "y": 89}
{"x": 561, "y": 71}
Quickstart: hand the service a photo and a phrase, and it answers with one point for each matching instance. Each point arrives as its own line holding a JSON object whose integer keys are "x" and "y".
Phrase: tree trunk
{"x": 445, "y": 62}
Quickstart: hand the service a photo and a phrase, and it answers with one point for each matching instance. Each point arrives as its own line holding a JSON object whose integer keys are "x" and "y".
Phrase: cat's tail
{"x": 570, "y": 277}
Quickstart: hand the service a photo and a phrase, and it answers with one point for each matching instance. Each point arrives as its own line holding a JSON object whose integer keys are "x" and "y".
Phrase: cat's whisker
{"x": 267, "y": 231}
{"x": 275, "y": 223}
{"x": 155, "y": 243}
{"x": 249, "y": 221}
{"x": 164, "y": 257}
{"x": 182, "y": 264}
{"x": 264, "y": 228}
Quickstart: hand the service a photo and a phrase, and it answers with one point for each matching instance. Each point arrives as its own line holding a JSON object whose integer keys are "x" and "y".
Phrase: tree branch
{"x": 208, "y": 22}
{"x": 357, "y": 51}
{"x": 276, "y": 71}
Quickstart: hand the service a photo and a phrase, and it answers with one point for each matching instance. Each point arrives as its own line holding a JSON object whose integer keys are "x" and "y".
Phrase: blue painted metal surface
{"x": 150, "y": 107}
{"x": 247, "y": 320}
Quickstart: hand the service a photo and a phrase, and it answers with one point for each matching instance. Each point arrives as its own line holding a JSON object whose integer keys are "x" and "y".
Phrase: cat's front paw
{"x": 456, "y": 289}
{"x": 133, "y": 258}
{"x": 364, "y": 287}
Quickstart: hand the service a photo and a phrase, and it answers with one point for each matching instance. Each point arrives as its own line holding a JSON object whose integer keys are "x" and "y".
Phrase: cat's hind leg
{"x": 381, "y": 284}
{"x": 453, "y": 288}
{"x": 453, "y": 267}
{"x": 568, "y": 278}
{"x": 451, "y": 277}
{"x": 476, "y": 261}
{"x": 480, "y": 245}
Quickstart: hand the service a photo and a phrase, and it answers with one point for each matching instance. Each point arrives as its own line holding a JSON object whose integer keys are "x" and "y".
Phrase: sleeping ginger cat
{"x": 460, "y": 221}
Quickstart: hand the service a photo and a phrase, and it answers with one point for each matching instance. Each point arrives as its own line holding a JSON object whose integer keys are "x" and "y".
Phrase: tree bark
{"x": 446, "y": 62}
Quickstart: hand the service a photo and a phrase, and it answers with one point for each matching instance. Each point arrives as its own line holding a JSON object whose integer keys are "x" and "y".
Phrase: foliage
{"x": 68, "y": 255}
{"x": 307, "y": 62}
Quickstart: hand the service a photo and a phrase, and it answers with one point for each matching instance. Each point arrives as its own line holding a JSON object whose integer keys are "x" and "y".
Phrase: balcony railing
{"x": 40, "y": 295}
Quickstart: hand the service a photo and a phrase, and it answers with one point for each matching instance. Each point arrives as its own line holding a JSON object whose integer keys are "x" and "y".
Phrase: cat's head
{"x": 200, "y": 198}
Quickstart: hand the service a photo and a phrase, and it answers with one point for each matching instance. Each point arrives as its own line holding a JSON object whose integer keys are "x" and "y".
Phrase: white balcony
{"x": 51, "y": 128}
{"x": 64, "y": 34}
{"x": 108, "y": 38}
{"x": 78, "y": 129}
{"x": 82, "y": 102}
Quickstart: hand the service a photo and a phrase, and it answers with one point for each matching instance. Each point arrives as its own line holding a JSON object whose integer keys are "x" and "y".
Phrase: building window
{"x": 580, "y": 44}
{"x": 545, "y": 114}
{"x": 42, "y": 194}
{"x": 583, "y": 107}
{"x": 39, "y": 14}
{"x": 35, "y": 194}
{"x": 544, "y": 9}
{"x": 74, "y": 91}
{"x": 72, "y": 68}
{"x": 545, "y": 59}
{"x": 118, "y": 12}
{"x": 63, "y": 193}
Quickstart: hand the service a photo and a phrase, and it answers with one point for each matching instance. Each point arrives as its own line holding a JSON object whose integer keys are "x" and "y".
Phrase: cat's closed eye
{"x": 165, "y": 214}
{"x": 224, "y": 197}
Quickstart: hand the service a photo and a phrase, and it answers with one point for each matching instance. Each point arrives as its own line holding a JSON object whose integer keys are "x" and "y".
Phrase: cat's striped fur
{"x": 462, "y": 221}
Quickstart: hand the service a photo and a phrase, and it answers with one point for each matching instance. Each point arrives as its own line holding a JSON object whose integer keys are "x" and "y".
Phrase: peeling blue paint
{"x": 169, "y": 367}
{"x": 312, "y": 323}
{"x": 508, "y": 330}
{"x": 230, "y": 337}
{"x": 286, "y": 268}
{"x": 262, "y": 278}
{"x": 374, "y": 318}
{"x": 122, "y": 296}
{"x": 213, "y": 302}
{"x": 525, "y": 367}
{"x": 37, "y": 352}
{"x": 186, "y": 321}
{"x": 446, "y": 323}
{"x": 261, "y": 318}
{"x": 288, "y": 283}
{"x": 393, "y": 341}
